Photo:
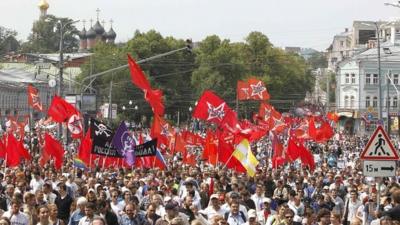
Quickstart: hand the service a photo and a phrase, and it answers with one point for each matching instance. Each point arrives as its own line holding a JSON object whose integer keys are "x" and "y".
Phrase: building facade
{"x": 357, "y": 93}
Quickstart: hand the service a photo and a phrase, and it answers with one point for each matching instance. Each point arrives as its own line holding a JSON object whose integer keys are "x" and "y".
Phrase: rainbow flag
{"x": 78, "y": 163}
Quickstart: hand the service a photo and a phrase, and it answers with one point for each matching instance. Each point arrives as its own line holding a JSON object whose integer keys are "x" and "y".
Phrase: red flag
{"x": 54, "y": 149}
{"x": 306, "y": 157}
{"x": 225, "y": 150}
{"x": 137, "y": 76}
{"x": 180, "y": 144}
{"x": 60, "y": 110}
{"x": 2, "y": 148}
{"x": 211, "y": 108}
{"x": 85, "y": 149}
{"x": 293, "y": 151}
{"x": 161, "y": 130}
{"x": 278, "y": 158}
{"x": 34, "y": 98}
{"x": 44, "y": 158}
{"x": 210, "y": 152}
{"x": 153, "y": 97}
{"x": 22, "y": 151}
{"x": 13, "y": 158}
{"x": 252, "y": 89}
{"x": 332, "y": 116}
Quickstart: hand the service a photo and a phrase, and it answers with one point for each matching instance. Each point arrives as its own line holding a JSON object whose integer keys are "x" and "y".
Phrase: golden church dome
{"x": 43, "y": 5}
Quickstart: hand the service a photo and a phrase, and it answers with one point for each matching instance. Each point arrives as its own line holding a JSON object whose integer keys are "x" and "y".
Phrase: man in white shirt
{"x": 16, "y": 217}
{"x": 213, "y": 208}
{"x": 36, "y": 183}
{"x": 258, "y": 198}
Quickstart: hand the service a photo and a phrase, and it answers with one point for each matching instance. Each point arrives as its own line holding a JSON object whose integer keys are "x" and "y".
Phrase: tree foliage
{"x": 318, "y": 60}
{"x": 8, "y": 41}
{"x": 46, "y": 33}
{"x": 215, "y": 64}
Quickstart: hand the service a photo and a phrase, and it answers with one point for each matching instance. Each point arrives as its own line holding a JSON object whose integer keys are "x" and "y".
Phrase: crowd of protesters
{"x": 336, "y": 192}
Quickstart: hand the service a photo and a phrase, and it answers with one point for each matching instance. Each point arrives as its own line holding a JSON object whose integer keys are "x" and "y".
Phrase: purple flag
{"x": 124, "y": 143}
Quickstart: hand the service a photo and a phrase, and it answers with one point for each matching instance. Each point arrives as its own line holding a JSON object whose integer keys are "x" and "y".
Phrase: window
{"x": 368, "y": 78}
{"x": 388, "y": 102}
{"x": 375, "y": 102}
{"x": 394, "y": 102}
{"x": 341, "y": 43}
{"x": 375, "y": 79}
{"x": 346, "y": 101}
{"x": 367, "y": 101}
{"x": 352, "y": 102}
{"x": 396, "y": 79}
{"x": 353, "y": 78}
{"x": 347, "y": 78}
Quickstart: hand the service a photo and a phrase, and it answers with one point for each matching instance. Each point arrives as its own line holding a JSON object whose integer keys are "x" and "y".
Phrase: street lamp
{"x": 61, "y": 60}
{"x": 123, "y": 107}
{"x": 378, "y": 48}
{"x": 61, "y": 68}
{"x": 130, "y": 102}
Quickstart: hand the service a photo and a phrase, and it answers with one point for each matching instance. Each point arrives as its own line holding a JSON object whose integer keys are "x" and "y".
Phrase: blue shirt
{"x": 75, "y": 217}
{"x": 139, "y": 219}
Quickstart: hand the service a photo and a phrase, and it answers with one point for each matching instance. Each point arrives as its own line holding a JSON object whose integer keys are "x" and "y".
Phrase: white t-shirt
{"x": 19, "y": 219}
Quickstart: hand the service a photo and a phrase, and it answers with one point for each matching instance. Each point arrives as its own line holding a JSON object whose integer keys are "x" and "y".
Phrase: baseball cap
{"x": 267, "y": 200}
{"x": 252, "y": 213}
{"x": 214, "y": 196}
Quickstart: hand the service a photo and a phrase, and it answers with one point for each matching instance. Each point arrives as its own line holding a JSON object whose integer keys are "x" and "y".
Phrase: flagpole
{"x": 237, "y": 105}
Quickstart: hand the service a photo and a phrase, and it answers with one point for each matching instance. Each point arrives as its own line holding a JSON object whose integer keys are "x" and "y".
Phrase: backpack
{"x": 241, "y": 215}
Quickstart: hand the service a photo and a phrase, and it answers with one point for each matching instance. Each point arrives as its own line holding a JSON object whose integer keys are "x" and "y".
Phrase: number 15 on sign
{"x": 379, "y": 168}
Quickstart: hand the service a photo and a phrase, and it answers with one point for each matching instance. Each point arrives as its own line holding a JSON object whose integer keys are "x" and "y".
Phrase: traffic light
{"x": 189, "y": 44}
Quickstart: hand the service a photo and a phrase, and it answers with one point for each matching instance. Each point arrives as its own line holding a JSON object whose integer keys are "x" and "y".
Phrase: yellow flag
{"x": 245, "y": 156}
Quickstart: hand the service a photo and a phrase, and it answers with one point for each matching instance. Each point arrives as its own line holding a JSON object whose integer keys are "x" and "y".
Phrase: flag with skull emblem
{"x": 102, "y": 136}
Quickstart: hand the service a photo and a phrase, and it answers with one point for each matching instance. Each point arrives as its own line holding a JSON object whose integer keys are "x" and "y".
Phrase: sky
{"x": 300, "y": 23}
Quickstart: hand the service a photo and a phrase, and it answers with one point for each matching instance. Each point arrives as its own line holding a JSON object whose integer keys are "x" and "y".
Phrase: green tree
{"x": 318, "y": 60}
{"x": 219, "y": 67}
{"x": 45, "y": 36}
{"x": 8, "y": 41}
{"x": 171, "y": 74}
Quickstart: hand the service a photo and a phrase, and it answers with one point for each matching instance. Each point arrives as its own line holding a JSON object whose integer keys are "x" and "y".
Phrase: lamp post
{"x": 380, "y": 80}
{"x": 61, "y": 67}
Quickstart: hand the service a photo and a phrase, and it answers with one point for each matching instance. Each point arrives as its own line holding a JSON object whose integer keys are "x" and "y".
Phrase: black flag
{"x": 102, "y": 136}
{"x": 147, "y": 149}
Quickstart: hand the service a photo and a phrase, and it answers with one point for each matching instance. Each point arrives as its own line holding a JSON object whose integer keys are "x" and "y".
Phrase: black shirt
{"x": 64, "y": 206}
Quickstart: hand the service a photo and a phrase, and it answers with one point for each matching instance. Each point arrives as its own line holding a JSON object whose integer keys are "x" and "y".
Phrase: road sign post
{"x": 379, "y": 157}
{"x": 379, "y": 168}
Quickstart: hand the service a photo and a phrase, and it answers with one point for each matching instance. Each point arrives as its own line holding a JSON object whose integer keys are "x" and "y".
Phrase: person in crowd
{"x": 90, "y": 213}
{"x": 151, "y": 214}
{"x": 14, "y": 214}
{"x": 234, "y": 216}
{"x": 43, "y": 215}
{"x": 105, "y": 212}
{"x": 171, "y": 212}
{"x": 132, "y": 216}
{"x": 79, "y": 213}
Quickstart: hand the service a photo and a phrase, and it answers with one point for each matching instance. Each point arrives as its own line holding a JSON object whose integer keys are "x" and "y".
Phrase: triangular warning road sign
{"x": 379, "y": 147}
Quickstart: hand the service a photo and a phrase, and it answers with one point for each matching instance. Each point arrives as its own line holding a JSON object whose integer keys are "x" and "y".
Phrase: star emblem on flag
{"x": 216, "y": 112}
{"x": 75, "y": 124}
{"x": 165, "y": 130}
{"x": 246, "y": 91}
{"x": 257, "y": 89}
{"x": 36, "y": 101}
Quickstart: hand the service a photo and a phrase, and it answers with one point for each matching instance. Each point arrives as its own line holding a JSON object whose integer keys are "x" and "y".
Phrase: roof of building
{"x": 90, "y": 34}
{"x": 82, "y": 34}
{"x": 55, "y": 57}
{"x": 98, "y": 28}
{"x": 111, "y": 34}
